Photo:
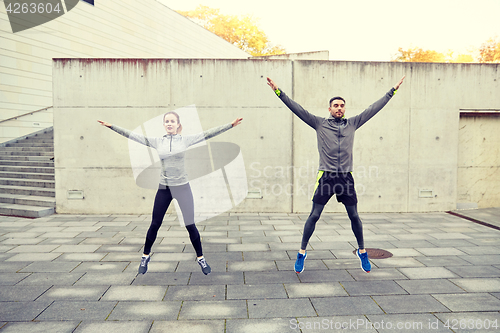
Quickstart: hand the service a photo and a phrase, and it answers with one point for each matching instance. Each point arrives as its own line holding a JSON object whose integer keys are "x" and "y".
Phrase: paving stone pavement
{"x": 78, "y": 273}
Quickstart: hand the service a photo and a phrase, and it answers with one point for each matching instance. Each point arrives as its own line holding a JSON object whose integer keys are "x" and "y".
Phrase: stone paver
{"x": 146, "y": 311}
{"x": 114, "y": 327}
{"x": 71, "y": 273}
{"x": 341, "y": 306}
{"x": 409, "y": 304}
{"x": 73, "y": 293}
{"x": 189, "y": 326}
{"x": 429, "y": 286}
{"x": 463, "y": 322}
{"x": 274, "y": 308}
{"x": 78, "y": 310}
{"x": 135, "y": 293}
{"x": 213, "y": 309}
{"x": 469, "y": 302}
{"x": 40, "y": 327}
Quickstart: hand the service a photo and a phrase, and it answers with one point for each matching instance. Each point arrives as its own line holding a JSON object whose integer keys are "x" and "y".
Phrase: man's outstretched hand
{"x": 271, "y": 84}
{"x": 396, "y": 86}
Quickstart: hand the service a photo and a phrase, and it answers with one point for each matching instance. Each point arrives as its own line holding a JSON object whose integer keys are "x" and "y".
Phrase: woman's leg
{"x": 162, "y": 201}
{"x": 184, "y": 197}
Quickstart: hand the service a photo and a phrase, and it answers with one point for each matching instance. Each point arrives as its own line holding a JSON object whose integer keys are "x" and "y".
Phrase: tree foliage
{"x": 417, "y": 54}
{"x": 489, "y": 51}
{"x": 241, "y": 31}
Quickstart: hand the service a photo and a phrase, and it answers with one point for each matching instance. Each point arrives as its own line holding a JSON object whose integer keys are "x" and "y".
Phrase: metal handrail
{"x": 26, "y": 114}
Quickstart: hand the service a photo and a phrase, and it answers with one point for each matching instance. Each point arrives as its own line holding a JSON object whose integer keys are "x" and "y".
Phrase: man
{"x": 335, "y": 136}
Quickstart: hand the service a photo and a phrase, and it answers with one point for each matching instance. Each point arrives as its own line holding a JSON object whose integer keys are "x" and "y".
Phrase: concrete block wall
{"x": 110, "y": 29}
{"x": 405, "y": 157}
{"x": 479, "y": 162}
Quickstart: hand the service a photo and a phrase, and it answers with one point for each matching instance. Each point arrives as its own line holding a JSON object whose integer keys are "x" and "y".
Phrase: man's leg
{"x": 357, "y": 229}
{"x": 309, "y": 227}
{"x": 356, "y": 226}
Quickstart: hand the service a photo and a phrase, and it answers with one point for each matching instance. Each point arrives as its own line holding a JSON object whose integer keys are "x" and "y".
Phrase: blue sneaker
{"x": 299, "y": 263}
{"x": 143, "y": 267}
{"x": 365, "y": 263}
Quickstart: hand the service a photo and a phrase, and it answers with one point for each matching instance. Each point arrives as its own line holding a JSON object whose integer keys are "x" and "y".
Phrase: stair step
{"x": 28, "y": 148}
{"x": 25, "y": 158}
{"x": 40, "y": 140}
{"x": 29, "y": 200}
{"x": 30, "y": 144}
{"x": 25, "y": 211}
{"x": 26, "y": 153}
{"x": 27, "y": 182}
{"x": 33, "y": 169}
{"x": 26, "y": 175}
{"x": 26, "y": 190}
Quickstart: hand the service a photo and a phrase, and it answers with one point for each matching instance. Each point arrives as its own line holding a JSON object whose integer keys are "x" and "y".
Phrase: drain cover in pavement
{"x": 377, "y": 253}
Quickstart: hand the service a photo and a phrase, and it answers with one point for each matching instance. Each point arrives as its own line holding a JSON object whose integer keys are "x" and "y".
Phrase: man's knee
{"x": 353, "y": 213}
{"x": 315, "y": 216}
{"x": 354, "y": 217}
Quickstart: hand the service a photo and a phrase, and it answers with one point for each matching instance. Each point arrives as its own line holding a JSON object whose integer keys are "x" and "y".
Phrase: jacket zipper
{"x": 171, "y": 143}
{"x": 338, "y": 155}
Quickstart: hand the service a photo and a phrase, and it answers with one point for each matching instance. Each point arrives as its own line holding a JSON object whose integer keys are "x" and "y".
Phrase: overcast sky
{"x": 366, "y": 30}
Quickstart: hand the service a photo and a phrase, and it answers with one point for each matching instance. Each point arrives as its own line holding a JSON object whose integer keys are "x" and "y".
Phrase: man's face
{"x": 337, "y": 108}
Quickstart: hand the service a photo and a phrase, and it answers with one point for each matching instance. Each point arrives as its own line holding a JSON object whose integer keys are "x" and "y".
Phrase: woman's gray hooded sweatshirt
{"x": 171, "y": 150}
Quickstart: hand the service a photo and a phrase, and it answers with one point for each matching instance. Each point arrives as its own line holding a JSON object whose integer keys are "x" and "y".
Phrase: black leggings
{"x": 352, "y": 211}
{"x": 163, "y": 198}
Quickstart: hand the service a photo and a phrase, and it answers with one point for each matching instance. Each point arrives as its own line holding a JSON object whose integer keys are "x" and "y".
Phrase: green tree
{"x": 241, "y": 31}
{"x": 489, "y": 51}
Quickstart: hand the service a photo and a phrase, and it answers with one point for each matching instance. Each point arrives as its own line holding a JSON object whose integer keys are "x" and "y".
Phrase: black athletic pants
{"x": 310, "y": 225}
{"x": 163, "y": 198}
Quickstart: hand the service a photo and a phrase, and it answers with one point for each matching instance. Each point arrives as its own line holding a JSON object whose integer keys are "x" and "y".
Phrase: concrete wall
{"x": 406, "y": 157}
{"x": 316, "y": 55}
{"x": 479, "y": 162}
{"x": 112, "y": 28}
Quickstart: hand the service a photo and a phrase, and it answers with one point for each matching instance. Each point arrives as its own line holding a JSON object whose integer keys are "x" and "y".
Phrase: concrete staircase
{"x": 27, "y": 186}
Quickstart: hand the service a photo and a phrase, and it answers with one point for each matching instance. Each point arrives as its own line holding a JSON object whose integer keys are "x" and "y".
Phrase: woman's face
{"x": 171, "y": 124}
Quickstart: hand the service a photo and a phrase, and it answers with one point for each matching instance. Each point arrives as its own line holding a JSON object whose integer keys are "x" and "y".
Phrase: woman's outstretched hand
{"x": 103, "y": 123}
{"x": 237, "y": 122}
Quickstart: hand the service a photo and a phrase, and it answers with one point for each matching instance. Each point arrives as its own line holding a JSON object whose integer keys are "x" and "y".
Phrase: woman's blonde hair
{"x": 179, "y": 130}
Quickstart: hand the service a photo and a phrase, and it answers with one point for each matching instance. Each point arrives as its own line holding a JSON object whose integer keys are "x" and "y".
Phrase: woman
{"x": 173, "y": 179}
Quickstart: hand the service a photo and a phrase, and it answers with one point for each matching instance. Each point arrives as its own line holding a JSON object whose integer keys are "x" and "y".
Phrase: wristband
{"x": 278, "y": 92}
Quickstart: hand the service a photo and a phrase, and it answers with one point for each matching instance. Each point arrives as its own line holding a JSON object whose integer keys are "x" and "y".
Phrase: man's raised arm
{"x": 373, "y": 109}
{"x": 303, "y": 114}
